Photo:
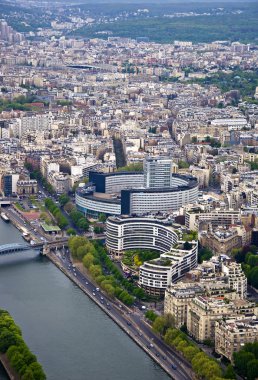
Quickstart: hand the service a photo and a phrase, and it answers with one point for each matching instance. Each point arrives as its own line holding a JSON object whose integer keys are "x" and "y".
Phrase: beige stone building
{"x": 179, "y": 296}
{"x": 177, "y": 299}
{"x": 27, "y": 187}
{"x": 221, "y": 241}
{"x": 236, "y": 278}
{"x": 204, "y": 312}
{"x": 232, "y": 334}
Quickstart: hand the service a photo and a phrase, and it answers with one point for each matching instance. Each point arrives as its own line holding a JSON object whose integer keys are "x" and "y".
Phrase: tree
{"x": 88, "y": 260}
{"x": 17, "y": 362}
{"x": 183, "y": 164}
{"x": 7, "y": 339}
{"x": 170, "y": 335}
{"x": 28, "y": 375}
{"x": 109, "y": 289}
{"x": 139, "y": 293}
{"x": 204, "y": 254}
{"x": 102, "y": 217}
{"x": 241, "y": 360}
{"x": 253, "y": 277}
{"x": 63, "y": 199}
{"x": 81, "y": 252}
{"x": 252, "y": 260}
{"x": 76, "y": 215}
{"x": 159, "y": 325}
{"x": 95, "y": 270}
{"x": 252, "y": 347}
{"x": 229, "y": 373}
{"x": 189, "y": 352}
{"x": 75, "y": 242}
{"x": 151, "y": 315}
{"x": 71, "y": 231}
{"x": 134, "y": 167}
{"x": 68, "y": 207}
{"x": 83, "y": 224}
{"x": 37, "y": 371}
{"x": 252, "y": 369}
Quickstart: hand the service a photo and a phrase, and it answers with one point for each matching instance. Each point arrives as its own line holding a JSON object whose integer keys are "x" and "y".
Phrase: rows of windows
{"x": 98, "y": 206}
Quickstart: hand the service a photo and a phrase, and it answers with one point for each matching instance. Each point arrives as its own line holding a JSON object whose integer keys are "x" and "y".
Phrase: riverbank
{"x": 54, "y": 313}
{"x": 133, "y": 324}
{"x": 122, "y": 318}
{"x": 12, "y": 374}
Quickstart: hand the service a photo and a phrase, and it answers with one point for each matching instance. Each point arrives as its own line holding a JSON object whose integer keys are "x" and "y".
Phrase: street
{"x": 132, "y": 321}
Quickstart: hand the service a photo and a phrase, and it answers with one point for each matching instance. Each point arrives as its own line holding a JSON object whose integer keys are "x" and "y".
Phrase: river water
{"x": 72, "y": 338}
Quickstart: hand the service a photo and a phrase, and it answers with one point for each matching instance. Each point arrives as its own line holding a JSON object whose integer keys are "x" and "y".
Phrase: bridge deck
{"x": 14, "y": 247}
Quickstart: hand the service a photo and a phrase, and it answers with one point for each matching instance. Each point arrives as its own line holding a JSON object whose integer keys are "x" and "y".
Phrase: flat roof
{"x": 50, "y": 228}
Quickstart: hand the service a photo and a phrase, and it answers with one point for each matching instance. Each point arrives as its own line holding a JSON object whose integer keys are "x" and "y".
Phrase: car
{"x": 173, "y": 366}
{"x": 157, "y": 354}
{"x": 101, "y": 298}
{"x": 97, "y": 289}
{"x": 151, "y": 345}
{"x": 102, "y": 302}
{"x": 107, "y": 304}
{"x": 94, "y": 293}
{"x": 109, "y": 308}
{"x": 86, "y": 283}
{"x": 129, "y": 323}
{"x": 75, "y": 274}
{"x": 164, "y": 358}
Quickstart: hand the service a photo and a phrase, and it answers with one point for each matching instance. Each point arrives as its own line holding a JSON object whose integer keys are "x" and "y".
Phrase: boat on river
{"x": 4, "y": 217}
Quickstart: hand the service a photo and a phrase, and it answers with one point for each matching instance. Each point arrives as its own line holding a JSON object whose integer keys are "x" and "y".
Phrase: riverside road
{"x": 130, "y": 320}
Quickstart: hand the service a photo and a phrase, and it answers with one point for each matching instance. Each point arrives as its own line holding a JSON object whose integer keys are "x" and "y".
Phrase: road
{"x": 34, "y": 230}
{"x": 132, "y": 321}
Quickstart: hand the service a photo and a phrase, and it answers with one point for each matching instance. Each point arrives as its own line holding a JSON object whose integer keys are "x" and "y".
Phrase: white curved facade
{"x": 157, "y": 275}
{"x": 93, "y": 206}
{"x": 132, "y": 233}
{"x": 142, "y": 203}
{"x": 97, "y": 197}
{"x": 147, "y": 233}
{"x": 116, "y": 183}
{"x": 183, "y": 191}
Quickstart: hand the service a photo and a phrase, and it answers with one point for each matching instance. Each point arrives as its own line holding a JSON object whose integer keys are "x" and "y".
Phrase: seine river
{"x": 72, "y": 338}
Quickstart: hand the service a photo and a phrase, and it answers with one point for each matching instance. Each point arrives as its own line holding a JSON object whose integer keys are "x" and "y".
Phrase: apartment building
{"x": 221, "y": 241}
{"x": 236, "y": 278}
{"x": 203, "y": 312}
{"x": 233, "y": 333}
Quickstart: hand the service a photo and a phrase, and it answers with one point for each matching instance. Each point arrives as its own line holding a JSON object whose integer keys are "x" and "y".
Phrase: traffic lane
{"x": 13, "y": 213}
{"x": 145, "y": 341}
{"x": 124, "y": 318}
{"x": 178, "y": 360}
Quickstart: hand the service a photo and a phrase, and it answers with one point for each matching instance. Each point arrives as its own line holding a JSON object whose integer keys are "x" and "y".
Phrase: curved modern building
{"x": 125, "y": 233}
{"x": 177, "y": 258}
{"x": 156, "y": 275}
{"x": 184, "y": 190}
{"x": 110, "y": 183}
{"x": 123, "y": 193}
